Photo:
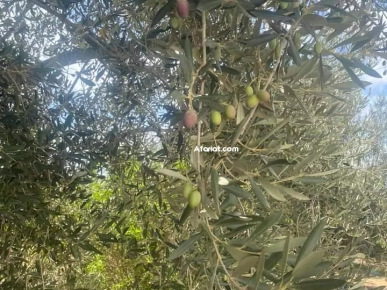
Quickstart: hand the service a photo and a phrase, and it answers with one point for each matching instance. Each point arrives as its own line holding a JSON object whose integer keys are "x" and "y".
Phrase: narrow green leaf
{"x": 229, "y": 201}
{"x": 211, "y": 101}
{"x": 78, "y": 175}
{"x": 336, "y": 33}
{"x": 236, "y": 231}
{"x": 285, "y": 256}
{"x": 337, "y": 9}
{"x": 259, "y": 269}
{"x": 75, "y": 252}
{"x": 315, "y": 20}
{"x": 322, "y": 284}
{"x": 293, "y": 193}
{"x": 274, "y": 258}
{"x": 306, "y": 69}
{"x": 215, "y": 187}
{"x": 228, "y": 70}
{"x": 380, "y": 54}
{"x": 250, "y": 283}
{"x": 186, "y": 67}
{"x": 172, "y": 173}
{"x": 185, "y": 246}
{"x": 308, "y": 28}
{"x": 205, "y": 68}
{"x": 261, "y": 40}
{"x": 293, "y": 52}
{"x": 277, "y": 162}
{"x": 236, "y": 253}
{"x": 271, "y": 189}
{"x": 272, "y": 132}
{"x": 353, "y": 39}
{"x": 279, "y": 246}
{"x": 240, "y": 114}
{"x": 288, "y": 92}
{"x": 317, "y": 271}
{"x": 245, "y": 265}
{"x": 162, "y": 12}
{"x": 311, "y": 180}
{"x": 186, "y": 213}
{"x": 344, "y": 253}
{"x": 359, "y": 44}
{"x": 258, "y": 193}
{"x": 321, "y": 73}
{"x": 349, "y": 85}
{"x": 270, "y": 15}
{"x": 308, "y": 262}
{"x": 311, "y": 241}
{"x": 350, "y": 72}
{"x": 324, "y": 94}
{"x": 314, "y": 155}
{"x": 205, "y": 5}
{"x": 89, "y": 247}
{"x": 179, "y": 96}
{"x": 324, "y": 173}
{"x": 96, "y": 225}
{"x": 188, "y": 50}
{"x": 264, "y": 226}
{"x": 366, "y": 69}
{"x": 237, "y": 191}
{"x": 88, "y": 82}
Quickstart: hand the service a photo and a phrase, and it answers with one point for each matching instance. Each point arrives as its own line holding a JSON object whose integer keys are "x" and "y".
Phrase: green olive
{"x": 194, "y": 199}
{"x": 272, "y": 43}
{"x": 216, "y": 118}
{"x": 252, "y": 101}
{"x": 249, "y": 91}
{"x": 318, "y": 47}
{"x": 218, "y": 53}
{"x": 188, "y": 188}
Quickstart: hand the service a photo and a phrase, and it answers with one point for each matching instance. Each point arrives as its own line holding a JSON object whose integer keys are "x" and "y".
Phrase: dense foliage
{"x": 94, "y": 157}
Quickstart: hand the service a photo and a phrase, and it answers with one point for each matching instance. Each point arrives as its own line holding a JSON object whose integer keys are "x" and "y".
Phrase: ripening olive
{"x": 230, "y": 112}
{"x": 182, "y": 8}
{"x": 263, "y": 95}
{"x": 190, "y": 118}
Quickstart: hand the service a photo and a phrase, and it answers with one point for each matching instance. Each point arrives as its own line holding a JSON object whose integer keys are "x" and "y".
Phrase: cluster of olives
{"x": 191, "y": 116}
{"x": 194, "y": 197}
{"x": 216, "y": 116}
{"x": 252, "y": 99}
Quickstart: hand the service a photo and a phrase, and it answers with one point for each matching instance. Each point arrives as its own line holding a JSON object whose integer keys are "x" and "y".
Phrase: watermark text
{"x": 215, "y": 149}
